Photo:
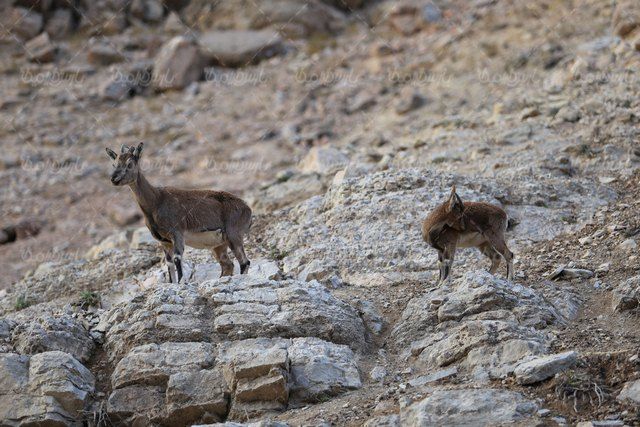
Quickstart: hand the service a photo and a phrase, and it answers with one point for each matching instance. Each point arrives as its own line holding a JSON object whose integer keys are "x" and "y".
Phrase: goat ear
{"x": 453, "y": 192}
{"x": 138, "y": 150}
{"x": 455, "y": 203}
{"x": 111, "y": 153}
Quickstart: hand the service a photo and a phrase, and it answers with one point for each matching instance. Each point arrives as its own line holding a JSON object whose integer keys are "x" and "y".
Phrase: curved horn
{"x": 124, "y": 148}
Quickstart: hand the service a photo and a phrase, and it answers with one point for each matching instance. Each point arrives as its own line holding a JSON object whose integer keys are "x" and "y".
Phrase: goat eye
{"x": 129, "y": 165}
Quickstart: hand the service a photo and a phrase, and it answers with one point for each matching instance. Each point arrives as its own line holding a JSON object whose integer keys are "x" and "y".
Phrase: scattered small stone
{"x": 564, "y": 273}
{"x": 103, "y": 54}
{"x": 362, "y": 102}
{"x": 239, "y": 48}
{"x": 530, "y": 112}
{"x": 147, "y": 10}
{"x": 436, "y": 376}
{"x": 585, "y": 240}
{"x": 431, "y": 13}
{"x": 378, "y": 373}
{"x": 568, "y": 114}
{"x": 606, "y": 179}
{"x": 628, "y": 245}
{"x": 24, "y": 23}
{"x": 409, "y": 100}
{"x": 40, "y": 49}
{"x": 543, "y": 412}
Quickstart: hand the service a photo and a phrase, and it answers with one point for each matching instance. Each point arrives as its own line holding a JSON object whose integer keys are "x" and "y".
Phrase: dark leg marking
{"x": 178, "y": 263}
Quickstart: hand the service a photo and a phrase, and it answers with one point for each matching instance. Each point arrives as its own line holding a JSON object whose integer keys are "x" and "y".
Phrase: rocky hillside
{"x": 342, "y": 123}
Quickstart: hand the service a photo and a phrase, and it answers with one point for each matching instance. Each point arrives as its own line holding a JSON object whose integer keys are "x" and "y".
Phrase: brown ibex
{"x": 201, "y": 219}
{"x": 456, "y": 224}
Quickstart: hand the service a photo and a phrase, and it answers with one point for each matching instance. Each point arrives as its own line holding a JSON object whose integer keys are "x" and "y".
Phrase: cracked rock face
{"x": 469, "y": 407}
{"x": 483, "y": 323}
{"x": 48, "y": 333}
{"x": 50, "y": 388}
{"x": 626, "y": 296}
{"x": 235, "y": 308}
{"x": 184, "y": 383}
{"x": 233, "y": 348}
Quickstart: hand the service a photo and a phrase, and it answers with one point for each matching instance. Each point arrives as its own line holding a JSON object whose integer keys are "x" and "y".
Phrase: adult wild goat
{"x": 467, "y": 225}
{"x": 201, "y": 219}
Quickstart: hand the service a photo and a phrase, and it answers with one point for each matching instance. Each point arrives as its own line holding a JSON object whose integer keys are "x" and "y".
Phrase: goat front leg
{"x": 440, "y": 267}
{"x": 449, "y": 255}
{"x": 178, "y": 250}
{"x": 168, "y": 259}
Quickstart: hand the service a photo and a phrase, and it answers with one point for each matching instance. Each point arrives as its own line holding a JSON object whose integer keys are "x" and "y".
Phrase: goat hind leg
{"x": 168, "y": 259}
{"x": 500, "y": 246}
{"x": 237, "y": 247}
{"x": 222, "y": 256}
{"x": 178, "y": 250}
{"x": 493, "y": 255}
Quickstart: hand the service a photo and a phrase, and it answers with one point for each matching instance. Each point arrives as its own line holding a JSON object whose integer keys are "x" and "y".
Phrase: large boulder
{"x": 542, "y": 368}
{"x": 163, "y": 382}
{"x": 255, "y": 345}
{"x": 485, "y": 324}
{"x": 50, "y": 388}
{"x": 185, "y": 383}
{"x": 289, "y": 17}
{"x": 630, "y": 392}
{"x": 40, "y": 49}
{"x": 320, "y": 369}
{"x": 23, "y": 23}
{"x": 289, "y": 308}
{"x": 178, "y": 63}
{"x": 626, "y": 295}
{"x": 237, "y": 48}
{"x": 234, "y": 308}
{"x": 59, "y": 23}
{"x": 153, "y": 364}
{"x": 53, "y": 332}
{"x": 469, "y": 407}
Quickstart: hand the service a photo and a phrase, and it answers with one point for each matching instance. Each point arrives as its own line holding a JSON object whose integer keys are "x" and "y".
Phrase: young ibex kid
{"x": 200, "y": 219}
{"x": 471, "y": 224}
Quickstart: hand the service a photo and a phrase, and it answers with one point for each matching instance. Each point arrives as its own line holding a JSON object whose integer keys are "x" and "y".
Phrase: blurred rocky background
{"x": 342, "y": 123}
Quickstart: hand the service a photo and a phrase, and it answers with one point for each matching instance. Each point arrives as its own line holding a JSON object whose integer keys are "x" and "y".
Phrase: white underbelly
{"x": 204, "y": 239}
{"x": 470, "y": 240}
